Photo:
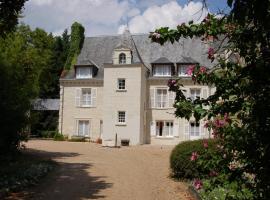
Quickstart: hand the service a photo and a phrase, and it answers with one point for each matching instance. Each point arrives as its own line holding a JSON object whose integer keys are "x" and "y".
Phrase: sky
{"x": 107, "y": 17}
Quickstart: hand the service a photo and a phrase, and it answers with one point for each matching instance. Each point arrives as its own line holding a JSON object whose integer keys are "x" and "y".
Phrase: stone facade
{"x": 126, "y": 96}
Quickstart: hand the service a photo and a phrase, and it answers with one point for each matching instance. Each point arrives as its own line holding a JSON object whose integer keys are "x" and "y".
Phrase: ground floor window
{"x": 83, "y": 127}
{"x": 194, "y": 129}
{"x": 164, "y": 128}
{"x": 121, "y": 117}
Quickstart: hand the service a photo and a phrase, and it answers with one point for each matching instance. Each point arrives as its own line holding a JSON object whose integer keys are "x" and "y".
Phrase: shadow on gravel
{"x": 70, "y": 181}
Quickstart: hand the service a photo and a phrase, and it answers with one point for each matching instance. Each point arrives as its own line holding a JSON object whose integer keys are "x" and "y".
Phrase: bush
{"x": 48, "y": 134}
{"x": 58, "y": 137}
{"x": 77, "y": 139}
{"x": 181, "y": 165}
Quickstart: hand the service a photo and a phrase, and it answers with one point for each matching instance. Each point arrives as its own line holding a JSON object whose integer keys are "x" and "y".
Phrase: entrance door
{"x": 194, "y": 130}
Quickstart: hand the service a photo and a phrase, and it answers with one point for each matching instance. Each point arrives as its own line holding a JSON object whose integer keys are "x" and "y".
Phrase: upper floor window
{"x": 122, "y": 58}
{"x": 121, "y": 84}
{"x": 195, "y": 94}
{"x": 182, "y": 70}
{"x": 161, "y": 98}
{"x": 162, "y": 70}
{"x": 86, "y": 97}
{"x": 121, "y": 117}
{"x": 84, "y": 72}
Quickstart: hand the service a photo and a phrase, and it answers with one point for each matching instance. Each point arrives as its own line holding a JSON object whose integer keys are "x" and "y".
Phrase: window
{"x": 164, "y": 128}
{"x": 121, "y": 85}
{"x": 83, "y": 128}
{"x": 86, "y": 97}
{"x": 122, "y": 58}
{"x": 84, "y": 72}
{"x": 194, "y": 129}
{"x": 194, "y": 94}
{"x": 121, "y": 117}
{"x": 182, "y": 70}
{"x": 162, "y": 70}
{"x": 161, "y": 98}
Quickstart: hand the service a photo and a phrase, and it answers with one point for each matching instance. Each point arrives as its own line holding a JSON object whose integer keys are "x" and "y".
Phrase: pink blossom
{"x": 156, "y": 35}
{"x": 194, "y": 156}
{"x": 213, "y": 173}
{"x": 197, "y": 184}
{"x": 202, "y": 69}
{"x": 205, "y": 144}
{"x": 211, "y": 53}
{"x": 190, "y": 70}
{"x": 172, "y": 83}
{"x": 207, "y": 125}
{"x": 226, "y": 117}
{"x": 219, "y": 123}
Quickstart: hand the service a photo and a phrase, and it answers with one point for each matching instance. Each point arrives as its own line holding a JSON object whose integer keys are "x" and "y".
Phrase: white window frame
{"x": 84, "y": 72}
{"x": 121, "y": 84}
{"x": 167, "y": 131}
{"x": 84, "y": 121}
{"x": 182, "y": 70}
{"x": 194, "y": 93}
{"x": 122, "y": 58}
{"x": 168, "y": 99}
{"x": 194, "y": 131}
{"x": 162, "y": 70}
{"x": 121, "y": 119}
{"x": 86, "y": 98}
{"x": 161, "y": 99}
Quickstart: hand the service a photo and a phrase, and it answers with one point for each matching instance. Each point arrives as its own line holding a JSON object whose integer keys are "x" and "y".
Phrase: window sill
{"x": 167, "y": 108}
{"x": 164, "y": 137}
{"x": 120, "y": 124}
{"x": 119, "y": 90}
{"x": 85, "y": 106}
{"x": 186, "y": 76}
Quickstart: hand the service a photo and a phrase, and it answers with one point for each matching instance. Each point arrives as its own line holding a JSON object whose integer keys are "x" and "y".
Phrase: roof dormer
{"x": 85, "y": 69}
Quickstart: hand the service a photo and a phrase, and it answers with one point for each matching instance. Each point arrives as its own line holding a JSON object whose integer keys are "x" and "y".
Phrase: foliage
{"x": 58, "y": 137}
{"x": 76, "y": 42}
{"x": 239, "y": 110}
{"x": 9, "y": 13}
{"x": 77, "y": 139}
{"x": 180, "y": 160}
{"x": 23, "y": 55}
{"x": 22, "y": 171}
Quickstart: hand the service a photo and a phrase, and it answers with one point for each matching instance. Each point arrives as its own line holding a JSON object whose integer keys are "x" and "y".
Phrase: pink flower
{"x": 211, "y": 53}
{"x": 172, "y": 83}
{"x": 202, "y": 69}
{"x": 205, "y": 144}
{"x": 213, "y": 173}
{"x": 156, "y": 35}
{"x": 190, "y": 70}
{"x": 207, "y": 125}
{"x": 194, "y": 156}
{"x": 219, "y": 123}
{"x": 226, "y": 117}
{"x": 197, "y": 184}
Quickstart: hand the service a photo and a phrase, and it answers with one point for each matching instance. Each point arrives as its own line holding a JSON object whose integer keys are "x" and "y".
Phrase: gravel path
{"x": 89, "y": 171}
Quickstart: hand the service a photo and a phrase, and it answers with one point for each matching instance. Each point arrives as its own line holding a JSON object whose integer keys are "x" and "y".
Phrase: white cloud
{"x": 170, "y": 14}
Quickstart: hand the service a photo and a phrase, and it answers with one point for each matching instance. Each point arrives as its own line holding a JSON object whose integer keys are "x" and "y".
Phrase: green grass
{"x": 22, "y": 171}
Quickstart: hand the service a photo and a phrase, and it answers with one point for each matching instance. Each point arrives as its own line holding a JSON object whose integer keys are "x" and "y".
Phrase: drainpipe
{"x": 62, "y": 111}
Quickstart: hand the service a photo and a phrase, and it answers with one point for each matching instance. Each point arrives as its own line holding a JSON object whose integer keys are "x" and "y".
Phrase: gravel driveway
{"x": 89, "y": 171}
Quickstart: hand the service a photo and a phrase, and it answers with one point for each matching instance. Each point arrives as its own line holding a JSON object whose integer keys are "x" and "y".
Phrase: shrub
{"x": 48, "y": 134}
{"x": 77, "y": 139}
{"x": 58, "y": 137}
{"x": 180, "y": 160}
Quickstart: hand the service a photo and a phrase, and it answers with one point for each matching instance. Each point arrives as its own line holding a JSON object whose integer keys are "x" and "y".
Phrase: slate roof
{"x": 162, "y": 60}
{"x": 100, "y": 49}
{"x": 187, "y": 60}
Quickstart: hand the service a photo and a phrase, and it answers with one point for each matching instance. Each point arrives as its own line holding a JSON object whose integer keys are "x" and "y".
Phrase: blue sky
{"x": 103, "y": 17}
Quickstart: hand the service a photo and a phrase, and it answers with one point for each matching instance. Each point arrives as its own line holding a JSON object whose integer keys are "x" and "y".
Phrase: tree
{"x": 77, "y": 39}
{"x": 239, "y": 113}
{"x": 23, "y": 54}
{"x": 9, "y": 13}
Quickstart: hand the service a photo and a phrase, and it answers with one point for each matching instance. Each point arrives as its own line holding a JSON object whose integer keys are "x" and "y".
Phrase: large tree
{"x": 9, "y": 13}
{"x": 239, "y": 113}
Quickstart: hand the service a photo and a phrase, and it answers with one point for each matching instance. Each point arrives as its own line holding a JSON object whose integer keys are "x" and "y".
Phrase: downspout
{"x": 62, "y": 111}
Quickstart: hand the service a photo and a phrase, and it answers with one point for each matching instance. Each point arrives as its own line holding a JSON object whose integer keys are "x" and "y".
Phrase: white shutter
{"x": 186, "y": 133}
{"x": 204, "y": 93}
{"x": 78, "y": 97}
{"x": 176, "y": 129}
{"x": 171, "y": 98}
{"x": 152, "y": 98}
{"x": 94, "y": 96}
{"x": 153, "y": 128}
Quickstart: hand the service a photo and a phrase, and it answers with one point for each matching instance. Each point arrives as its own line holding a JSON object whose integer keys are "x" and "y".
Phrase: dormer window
{"x": 122, "y": 58}
{"x": 84, "y": 72}
{"x": 182, "y": 70}
{"x": 162, "y": 70}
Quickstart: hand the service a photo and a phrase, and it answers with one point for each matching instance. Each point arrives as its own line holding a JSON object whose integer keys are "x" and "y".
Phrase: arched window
{"x": 122, "y": 58}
